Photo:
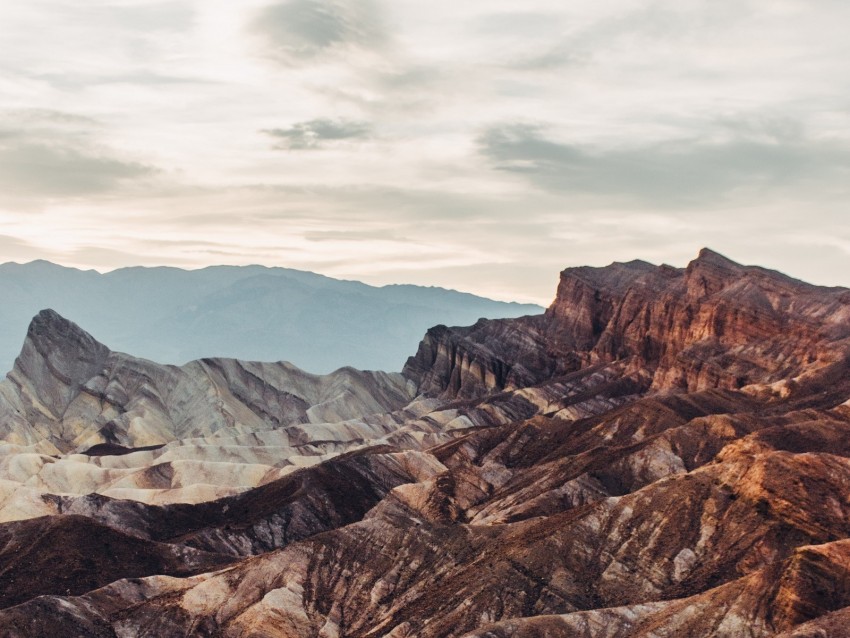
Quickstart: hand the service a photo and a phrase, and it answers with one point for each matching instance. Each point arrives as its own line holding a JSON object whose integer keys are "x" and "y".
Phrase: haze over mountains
{"x": 173, "y": 316}
{"x": 663, "y": 453}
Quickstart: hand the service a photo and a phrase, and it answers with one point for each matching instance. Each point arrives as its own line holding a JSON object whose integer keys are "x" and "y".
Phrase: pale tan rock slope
{"x": 68, "y": 390}
{"x": 216, "y": 426}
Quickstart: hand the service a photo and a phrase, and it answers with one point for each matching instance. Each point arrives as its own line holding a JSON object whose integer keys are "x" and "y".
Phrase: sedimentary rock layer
{"x": 67, "y": 392}
{"x": 713, "y": 324}
{"x": 664, "y": 453}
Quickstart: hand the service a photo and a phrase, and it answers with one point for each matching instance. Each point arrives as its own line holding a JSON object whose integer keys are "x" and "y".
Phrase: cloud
{"x": 56, "y": 169}
{"x": 170, "y": 16}
{"x": 352, "y": 235}
{"x": 556, "y": 58}
{"x": 303, "y": 30}
{"x": 41, "y": 118}
{"x": 318, "y": 133}
{"x": 162, "y": 81}
{"x": 46, "y": 153}
{"x": 748, "y": 156}
{"x": 15, "y": 248}
{"x": 538, "y": 134}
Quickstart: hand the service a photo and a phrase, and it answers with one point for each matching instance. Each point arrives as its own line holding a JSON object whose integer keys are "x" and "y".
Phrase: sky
{"x": 477, "y": 145}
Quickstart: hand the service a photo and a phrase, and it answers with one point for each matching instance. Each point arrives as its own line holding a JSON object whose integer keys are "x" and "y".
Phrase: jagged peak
{"x": 638, "y": 265}
{"x": 49, "y": 315}
{"x": 50, "y": 325}
{"x": 57, "y": 358}
{"x": 635, "y": 264}
{"x": 616, "y": 276}
{"x": 711, "y": 272}
{"x": 70, "y": 350}
{"x": 618, "y": 273}
{"x": 707, "y": 256}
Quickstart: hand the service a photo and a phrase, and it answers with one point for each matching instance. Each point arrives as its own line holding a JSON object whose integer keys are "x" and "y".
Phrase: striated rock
{"x": 713, "y": 324}
{"x": 71, "y": 391}
{"x": 664, "y": 453}
{"x": 297, "y": 506}
{"x": 489, "y": 356}
{"x": 815, "y": 582}
{"x": 71, "y": 555}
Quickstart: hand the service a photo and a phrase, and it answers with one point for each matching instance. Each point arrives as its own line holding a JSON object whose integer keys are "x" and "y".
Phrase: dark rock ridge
{"x": 75, "y": 554}
{"x": 98, "y": 540}
{"x": 665, "y": 453}
{"x": 332, "y": 494}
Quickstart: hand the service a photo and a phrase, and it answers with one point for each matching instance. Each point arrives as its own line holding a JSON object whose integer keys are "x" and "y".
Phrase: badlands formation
{"x": 664, "y": 452}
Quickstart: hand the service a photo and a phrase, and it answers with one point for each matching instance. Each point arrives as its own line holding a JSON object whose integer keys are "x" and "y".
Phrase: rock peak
{"x": 50, "y": 315}
{"x": 711, "y": 257}
{"x": 58, "y": 357}
{"x": 710, "y": 273}
{"x": 51, "y": 328}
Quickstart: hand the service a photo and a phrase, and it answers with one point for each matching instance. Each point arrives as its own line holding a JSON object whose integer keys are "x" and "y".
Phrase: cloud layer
{"x": 753, "y": 158}
{"x": 54, "y": 154}
{"x": 317, "y": 133}
{"x": 303, "y": 30}
{"x": 476, "y": 145}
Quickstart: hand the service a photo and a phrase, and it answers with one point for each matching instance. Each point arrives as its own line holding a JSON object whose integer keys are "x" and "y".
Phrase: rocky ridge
{"x": 67, "y": 392}
{"x": 714, "y": 324}
{"x": 663, "y": 453}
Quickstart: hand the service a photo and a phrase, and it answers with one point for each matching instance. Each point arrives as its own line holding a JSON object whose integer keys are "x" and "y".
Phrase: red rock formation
{"x": 715, "y": 324}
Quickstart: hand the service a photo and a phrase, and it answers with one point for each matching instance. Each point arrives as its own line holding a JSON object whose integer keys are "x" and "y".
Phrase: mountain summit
{"x": 69, "y": 391}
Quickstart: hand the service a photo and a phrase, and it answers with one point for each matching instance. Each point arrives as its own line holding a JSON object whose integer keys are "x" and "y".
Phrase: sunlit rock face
{"x": 714, "y": 324}
{"x": 665, "y": 452}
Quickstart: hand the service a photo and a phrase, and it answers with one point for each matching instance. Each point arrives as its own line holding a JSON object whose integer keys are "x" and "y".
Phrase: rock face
{"x": 664, "y": 453}
{"x": 713, "y": 324}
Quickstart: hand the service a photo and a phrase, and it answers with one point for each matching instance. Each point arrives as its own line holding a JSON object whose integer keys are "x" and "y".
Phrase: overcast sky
{"x": 482, "y": 145}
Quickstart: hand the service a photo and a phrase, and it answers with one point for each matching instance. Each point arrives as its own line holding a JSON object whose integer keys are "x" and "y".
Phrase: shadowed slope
{"x": 71, "y": 555}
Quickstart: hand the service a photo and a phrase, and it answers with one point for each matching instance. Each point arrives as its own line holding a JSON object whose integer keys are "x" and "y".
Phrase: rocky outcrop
{"x": 713, "y": 324}
{"x": 70, "y": 391}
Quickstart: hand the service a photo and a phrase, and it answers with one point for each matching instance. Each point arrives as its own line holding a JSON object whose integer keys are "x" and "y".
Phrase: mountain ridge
{"x": 257, "y": 313}
{"x": 70, "y": 390}
{"x": 623, "y": 312}
{"x": 664, "y": 452}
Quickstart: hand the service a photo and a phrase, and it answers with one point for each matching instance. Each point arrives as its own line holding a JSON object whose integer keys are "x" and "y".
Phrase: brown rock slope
{"x": 74, "y": 554}
{"x": 664, "y": 453}
{"x": 98, "y": 540}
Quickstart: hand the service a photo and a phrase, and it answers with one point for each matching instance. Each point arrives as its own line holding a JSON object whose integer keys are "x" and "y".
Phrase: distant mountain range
{"x": 253, "y": 313}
